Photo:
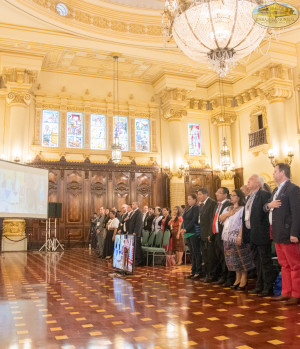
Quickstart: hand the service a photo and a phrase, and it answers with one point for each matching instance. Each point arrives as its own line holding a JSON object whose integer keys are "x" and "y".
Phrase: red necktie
{"x": 214, "y": 230}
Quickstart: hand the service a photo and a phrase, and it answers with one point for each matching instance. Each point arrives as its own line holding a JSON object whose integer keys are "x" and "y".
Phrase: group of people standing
{"x": 226, "y": 238}
{"x": 110, "y": 222}
{"x": 233, "y": 235}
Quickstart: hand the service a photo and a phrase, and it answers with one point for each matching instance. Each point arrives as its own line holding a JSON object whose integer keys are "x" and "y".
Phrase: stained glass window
{"x": 50, "y": 127}
{"x": 98, "y": 132}
{"x": 75, "y": 130}
{"x": 121, "y": 128}
{"x": 142, "y": 135}
{"x": 195, "y": 139}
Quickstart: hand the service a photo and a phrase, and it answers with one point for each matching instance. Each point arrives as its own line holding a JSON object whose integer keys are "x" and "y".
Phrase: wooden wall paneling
{"x": 199, "y": 178}
{"x": 143, "y": 184}
{"x": 132, "y": 187}
{"x": 97, "y": 190}
{"x": 121, "y": 191}
{"x": 239, "y": 178}
{"x": 110, "y": 190}
{"x": 74, "y": 181}
{"x": 82, "y": 187}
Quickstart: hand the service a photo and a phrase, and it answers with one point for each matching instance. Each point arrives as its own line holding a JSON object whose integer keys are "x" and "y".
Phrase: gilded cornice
{"x": 223, "y": 119}
{"x": 97, "y": 17}
{"x": 18, "y": 84}
{"x": 275, "y": 83}
{"x": 174, "y": 103}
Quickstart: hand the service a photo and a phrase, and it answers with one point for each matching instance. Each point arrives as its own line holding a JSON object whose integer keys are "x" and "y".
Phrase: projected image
{"x": 124, "y": 252}
{"x": 23, "y": 193}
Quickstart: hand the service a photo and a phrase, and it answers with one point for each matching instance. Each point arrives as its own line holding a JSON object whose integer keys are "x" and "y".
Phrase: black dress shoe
{"x": 227, "y": 283}
{"x": 255, "y": 291}
{"x": 219, "y": 281}
{"x": 190, "y": 276}
{"x": 265, "y": 293}
{"x": 196, "y": 276}
{"x": 234, "y": 287}
{"x": 207, "y": 280}
{"x": 242, "y": 288}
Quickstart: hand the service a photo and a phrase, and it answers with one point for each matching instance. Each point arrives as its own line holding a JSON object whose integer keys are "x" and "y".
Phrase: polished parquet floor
{"x": 71, "y": 300}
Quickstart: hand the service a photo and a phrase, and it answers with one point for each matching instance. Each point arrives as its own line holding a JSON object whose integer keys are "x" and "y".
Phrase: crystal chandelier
{"x": 218, "y": 31}
{"x": 116, "y": 155}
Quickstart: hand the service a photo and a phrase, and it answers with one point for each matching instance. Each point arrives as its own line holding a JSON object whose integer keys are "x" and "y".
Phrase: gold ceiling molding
{"x": 75, "y": 13}
{"x": 174, "y": 103}
{"x": 224, "y": 119}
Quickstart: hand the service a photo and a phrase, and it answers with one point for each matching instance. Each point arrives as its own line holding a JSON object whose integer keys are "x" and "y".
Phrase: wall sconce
{"x": 290, "y": 155}
{"x": 274, "y": 161}
{"x": 167, "y": 171}
{"x": 184, "y": 170}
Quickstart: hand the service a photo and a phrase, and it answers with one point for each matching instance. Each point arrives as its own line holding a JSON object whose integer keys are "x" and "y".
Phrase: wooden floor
{"x": 71, "y": 300}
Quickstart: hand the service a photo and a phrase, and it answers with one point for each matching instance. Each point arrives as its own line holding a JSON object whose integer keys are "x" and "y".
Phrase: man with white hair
{"x": 256, "y": 230}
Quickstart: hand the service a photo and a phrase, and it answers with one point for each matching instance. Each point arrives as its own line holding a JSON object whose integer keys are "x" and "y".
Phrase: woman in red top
{"x": 177, "y": 237}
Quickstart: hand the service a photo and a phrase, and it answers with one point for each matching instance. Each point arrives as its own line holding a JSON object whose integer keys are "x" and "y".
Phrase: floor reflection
{"x": 70, "y": 300}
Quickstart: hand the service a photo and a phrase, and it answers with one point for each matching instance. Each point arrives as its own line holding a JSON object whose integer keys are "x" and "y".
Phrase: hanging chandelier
{"x": 225, "y": 156}
{"x": 218, "y": 31}
{"x": 116, "y": 155}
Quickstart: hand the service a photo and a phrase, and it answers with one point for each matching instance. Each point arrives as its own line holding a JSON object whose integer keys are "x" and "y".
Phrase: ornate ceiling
{"x": 151, "y": 4}
{"x": 83, "y": 42}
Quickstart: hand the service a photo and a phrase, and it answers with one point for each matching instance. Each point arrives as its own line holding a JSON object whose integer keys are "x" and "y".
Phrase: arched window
{"x": 142, "y": 135}
{"x": 194, "y": 139}
{"x": 50, "y": 127}
{"x": 74, "y": 130}
{"x": 121, "y": 128}
{"x": 98, "y": 131}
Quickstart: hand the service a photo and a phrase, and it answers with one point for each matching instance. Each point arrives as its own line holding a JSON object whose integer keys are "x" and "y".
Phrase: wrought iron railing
{"x": 258, "y": 138}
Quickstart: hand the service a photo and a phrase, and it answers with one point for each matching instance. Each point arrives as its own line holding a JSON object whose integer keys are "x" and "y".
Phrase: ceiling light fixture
{"x": 62, "y": 9}
{"x": 218, "y": 31}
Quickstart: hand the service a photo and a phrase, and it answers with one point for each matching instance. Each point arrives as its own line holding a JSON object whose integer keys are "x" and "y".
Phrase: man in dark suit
{"x": 206, "y": 211}
{"x": 149, "y": 219}
{"x": 145, "y": 213}
{"x": 135, "y": 227}
{"x": 122, "y": 225}
{"x": 284, "y": 216}
{"x": 216, "y": 259}
{"x": 256, "y": 231}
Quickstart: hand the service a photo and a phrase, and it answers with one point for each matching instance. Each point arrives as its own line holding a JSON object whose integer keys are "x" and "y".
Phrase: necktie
{"x": 214, "y": 230}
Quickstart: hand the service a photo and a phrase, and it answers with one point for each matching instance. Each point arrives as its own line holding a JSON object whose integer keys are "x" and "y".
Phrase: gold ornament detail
{"x": 14, "y": 227}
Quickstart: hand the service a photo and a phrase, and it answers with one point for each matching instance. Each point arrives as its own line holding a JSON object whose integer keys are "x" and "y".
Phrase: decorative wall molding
{"x": 174, "y": 103}
{"x": 223, "y": 119}
{"x": 101, "y": 22}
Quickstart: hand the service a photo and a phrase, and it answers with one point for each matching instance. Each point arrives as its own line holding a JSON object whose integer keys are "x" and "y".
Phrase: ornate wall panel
{"x": 143, "y": 188}
{"x": 199, "y": 178}
{"x": 83, "y": 187}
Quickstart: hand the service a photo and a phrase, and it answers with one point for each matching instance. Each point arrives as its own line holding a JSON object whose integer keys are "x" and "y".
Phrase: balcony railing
{"x": 258, "y": 138}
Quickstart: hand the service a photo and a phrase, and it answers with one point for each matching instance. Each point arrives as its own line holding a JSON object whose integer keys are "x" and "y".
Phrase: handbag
{"x": 170, "y": 260}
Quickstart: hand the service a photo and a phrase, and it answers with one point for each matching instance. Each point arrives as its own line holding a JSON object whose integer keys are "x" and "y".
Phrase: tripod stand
{"x": 51, "y": 245}
{"x": 48, "y": 243}
{"x": 55, "y": 243}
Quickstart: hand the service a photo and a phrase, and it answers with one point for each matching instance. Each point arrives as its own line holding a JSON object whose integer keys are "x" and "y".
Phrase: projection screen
{"x": 23, "y": 191}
